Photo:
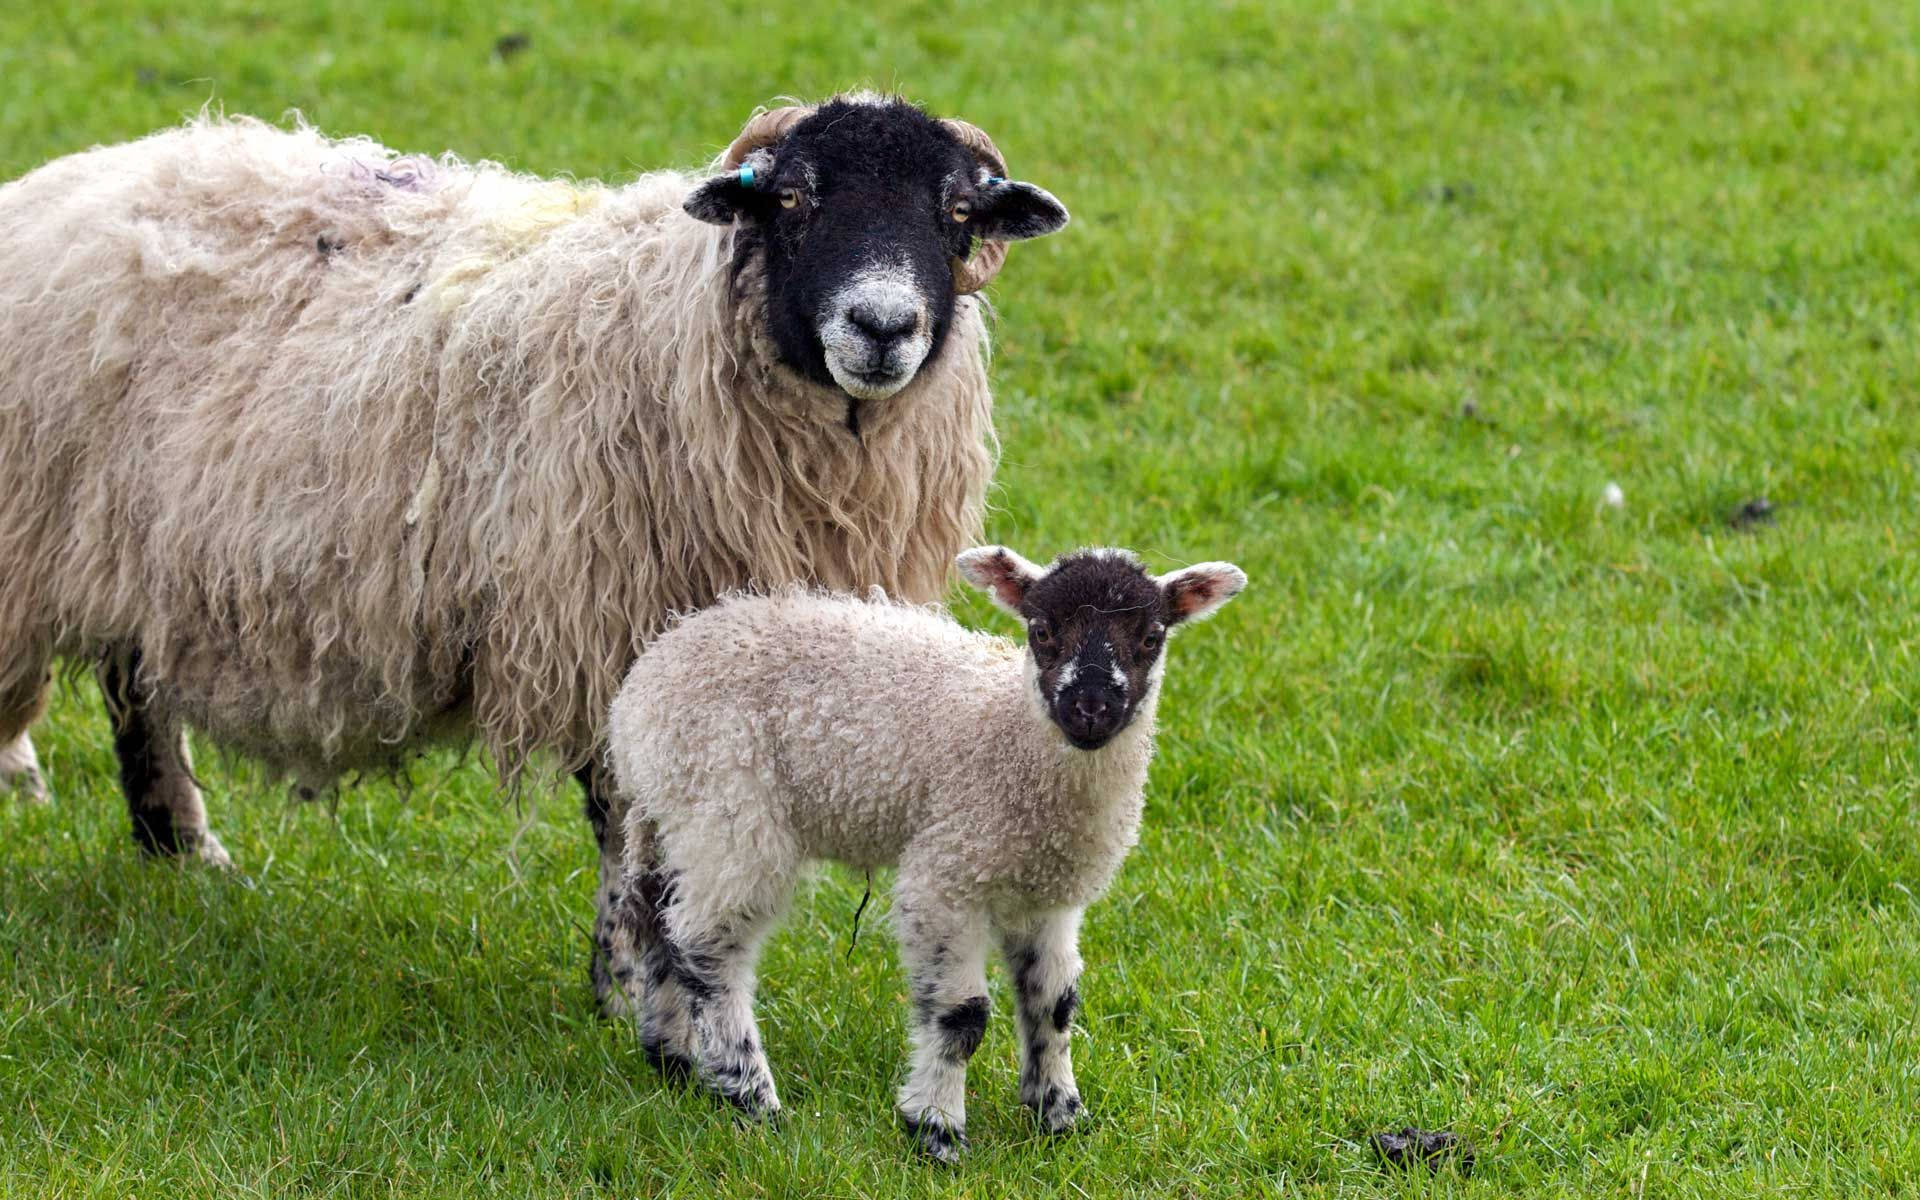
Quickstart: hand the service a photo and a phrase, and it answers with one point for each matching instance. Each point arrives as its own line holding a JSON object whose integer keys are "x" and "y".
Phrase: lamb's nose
{"x": 883, "y": 326}
{"x": 1090, "y": 706}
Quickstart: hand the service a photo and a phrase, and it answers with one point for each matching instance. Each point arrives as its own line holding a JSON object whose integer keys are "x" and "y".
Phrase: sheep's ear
{"x": 1009, "y": 211}
{"x": 1000, "y": 573}
{"x": 1197, "y": 592}
{"x": 719, "y": 201}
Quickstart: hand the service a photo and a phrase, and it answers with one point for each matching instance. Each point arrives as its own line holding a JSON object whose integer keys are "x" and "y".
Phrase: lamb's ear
{"x": 1197, "y": 592}
{"x": 720, "y": 200}
{"x": 998, "y": 572}
{"x": 1009, "y": 211}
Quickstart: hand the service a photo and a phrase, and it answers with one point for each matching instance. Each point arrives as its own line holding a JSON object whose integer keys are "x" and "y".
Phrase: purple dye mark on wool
{"x": 408, "y": 173}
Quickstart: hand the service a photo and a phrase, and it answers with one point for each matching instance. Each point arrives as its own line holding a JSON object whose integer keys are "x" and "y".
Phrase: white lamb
{"x": 1006, "y": 785}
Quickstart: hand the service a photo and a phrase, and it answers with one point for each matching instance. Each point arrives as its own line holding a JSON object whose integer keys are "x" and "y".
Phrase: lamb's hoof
{"x": 1059, "y": 1110}
{"x": 935, "y": 1137}
{"x": 755, "y": 1108}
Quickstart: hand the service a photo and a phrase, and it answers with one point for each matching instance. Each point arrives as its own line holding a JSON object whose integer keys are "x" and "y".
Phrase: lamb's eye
{"x": 1041, "y": 632}
{"x": 1152, "y": 641}
{"x": 961, "y": 210}
{"x": 789, "y": 198}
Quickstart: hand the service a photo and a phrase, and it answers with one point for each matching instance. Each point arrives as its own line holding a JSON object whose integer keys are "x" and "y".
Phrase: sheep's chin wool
{"x": 362, "y": 450}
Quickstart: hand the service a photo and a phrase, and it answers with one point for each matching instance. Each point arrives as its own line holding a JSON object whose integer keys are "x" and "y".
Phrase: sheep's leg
{"x": 615, "y": 966}
{"x": 20, "y": 769}
{"x": 945, "y": 954}
{"x": 1043, "y": 956}
{"x": 19, "y": 765}
{"x": 156, "y": 773}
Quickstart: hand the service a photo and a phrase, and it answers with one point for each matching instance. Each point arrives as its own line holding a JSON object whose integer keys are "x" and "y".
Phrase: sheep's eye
{"x": 961, "y": 210}
{"x": 789, "y": 198}
{"x": 1152, "y": 641}
{"x": 1041, "y": 632}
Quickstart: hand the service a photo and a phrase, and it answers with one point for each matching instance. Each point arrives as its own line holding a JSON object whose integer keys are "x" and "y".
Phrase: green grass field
{"x": 1587, "y": 832}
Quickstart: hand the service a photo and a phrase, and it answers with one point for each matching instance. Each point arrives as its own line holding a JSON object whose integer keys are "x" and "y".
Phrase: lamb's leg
{"x": 667, "y": 1034}
{"x": 156, "y": 773}
{"x": 711, "y": 960}
{"x": 19, "y": 766}
{"x": 945, "y": 953}
{"x": 1043, "y": 956}
{"x": 615, "y": 967}
{"x": 637, "y": 934}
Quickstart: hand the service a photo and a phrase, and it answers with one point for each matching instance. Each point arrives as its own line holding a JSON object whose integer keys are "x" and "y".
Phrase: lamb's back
{"x": 849, "y": 713}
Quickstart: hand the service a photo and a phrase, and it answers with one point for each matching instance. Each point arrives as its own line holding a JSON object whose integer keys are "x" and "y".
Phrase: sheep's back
{"x": 361, "y": 448}
{"x": 216, "y": 399}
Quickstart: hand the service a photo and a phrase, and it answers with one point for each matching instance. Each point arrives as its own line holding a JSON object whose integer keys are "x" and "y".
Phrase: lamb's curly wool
{"x": 772, "y": 730}
{"x": 761, "y": 720}
{"x": 360, "y": 448}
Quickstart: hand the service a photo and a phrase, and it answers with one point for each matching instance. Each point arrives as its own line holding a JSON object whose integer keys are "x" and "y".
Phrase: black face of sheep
{"x": 1096, "y": 622}
{"x": 867, "y": 211}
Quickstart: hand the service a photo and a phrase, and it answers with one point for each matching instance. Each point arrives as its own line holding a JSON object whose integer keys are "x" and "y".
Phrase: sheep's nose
{"x": 1090, "y": 706}
{"x": 883, "y": 325}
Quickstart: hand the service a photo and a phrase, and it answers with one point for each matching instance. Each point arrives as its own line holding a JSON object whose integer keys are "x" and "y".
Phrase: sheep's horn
{"x": 972, "y": 274}
{"x": 763, "y": 129}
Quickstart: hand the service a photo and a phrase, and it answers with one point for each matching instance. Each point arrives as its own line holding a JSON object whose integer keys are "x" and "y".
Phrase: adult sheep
{"x": 332, "y": 453}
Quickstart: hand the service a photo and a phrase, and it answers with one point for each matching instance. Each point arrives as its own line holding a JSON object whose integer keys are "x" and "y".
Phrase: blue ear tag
{"x": 993, "y": 179}
{"x": 746, "y": 176}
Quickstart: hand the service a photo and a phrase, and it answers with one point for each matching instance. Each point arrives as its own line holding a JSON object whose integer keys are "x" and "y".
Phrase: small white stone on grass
{"x": 1612, "y": 497}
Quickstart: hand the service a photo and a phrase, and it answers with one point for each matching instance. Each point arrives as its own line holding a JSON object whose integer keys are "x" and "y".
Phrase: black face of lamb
{"x": 1095, "y": 626}
{"x": 854, "y": 212}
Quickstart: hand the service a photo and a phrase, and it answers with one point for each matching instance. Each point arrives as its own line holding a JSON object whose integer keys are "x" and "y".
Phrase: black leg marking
{"x": 1023, "y": 961}
{"x": 963, "y": 1026}
{"x": 674, "y": 1065}
{"x": 734, "y": 1074}
{"x": 1059, "y": 1109}
{"x": 935, "y": 1138}
{"x": 657, "y": 971}
{"x": 1064, "y": 1007}
{"x": 1047, "y": 1006}
{"x": 695, "y": 969}
{"x": 134, "y": 743}
{"x": 643, "y": 907}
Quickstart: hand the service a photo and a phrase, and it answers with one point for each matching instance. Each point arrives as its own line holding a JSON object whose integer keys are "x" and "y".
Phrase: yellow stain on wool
{"x": 519, "y": 224}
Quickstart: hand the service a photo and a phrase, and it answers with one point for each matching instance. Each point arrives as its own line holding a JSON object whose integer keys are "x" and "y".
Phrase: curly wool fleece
{"x": 755, "y": 724}
{"x": 360, "y": 449}
{"x": 768, "y": 731}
